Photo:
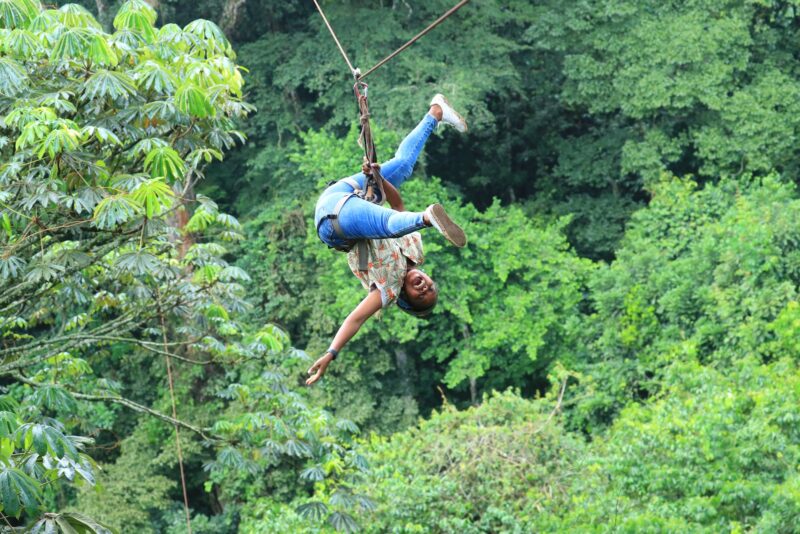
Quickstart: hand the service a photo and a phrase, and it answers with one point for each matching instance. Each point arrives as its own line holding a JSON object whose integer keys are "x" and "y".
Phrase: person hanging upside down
{"x": 393, "y": 242}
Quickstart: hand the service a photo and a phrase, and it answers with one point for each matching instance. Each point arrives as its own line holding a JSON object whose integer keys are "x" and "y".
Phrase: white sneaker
{"x": 442, "y": 222}
{"x": 449, "y": 115}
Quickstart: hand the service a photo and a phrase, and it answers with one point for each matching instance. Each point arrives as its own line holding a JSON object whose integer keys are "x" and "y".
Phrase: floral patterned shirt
{"x": 387, "y": 264}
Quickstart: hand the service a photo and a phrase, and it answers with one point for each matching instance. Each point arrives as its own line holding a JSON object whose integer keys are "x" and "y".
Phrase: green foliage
{"x": 713, "y": 453}
{"x": 497, "y": 467}
{"x": 702, "y": 274}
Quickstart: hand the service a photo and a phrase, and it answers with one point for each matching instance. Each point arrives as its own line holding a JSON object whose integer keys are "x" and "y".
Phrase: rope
{"x": 336, "y": 39}
{"x": 174, "y": 414}
{"x": 413, "y": 39}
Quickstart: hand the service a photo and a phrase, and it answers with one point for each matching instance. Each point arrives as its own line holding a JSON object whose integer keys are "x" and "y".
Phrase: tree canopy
{"x": 615, "y": 350}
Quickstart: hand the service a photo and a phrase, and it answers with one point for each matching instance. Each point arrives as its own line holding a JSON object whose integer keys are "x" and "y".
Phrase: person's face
{"x": 420, "y": 289}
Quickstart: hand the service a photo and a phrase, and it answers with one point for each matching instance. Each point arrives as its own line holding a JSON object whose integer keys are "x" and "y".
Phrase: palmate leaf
{"x": 128, "y": 39}
{"x": 164, "y": 162}
{"x": 201, "y": 218}
{"x": 208, "y": 36}
{"x": 9, "y": 423}
{"x": 137, "y": 6}
{"x": 109, "y": 84}
{"x": 155, "y": 196}
{"x": 44, "y": 272}
{"x": 136, "y": 21}
{"x": 10, "y": 267}
{"x": 63, "y": 139}
{"x": 115, "y": 210}
{"x": 313, "y": 474}
{"x": 45, "y": 439}
{"x": 145, "y": 146}
{"x": 343, "y": 522}
{"x": 314, "y": 510}
{"x": 160, "y": 110}
{"x": 23, "y": 44}
{"x": 45, "y": 22}
{"x": 72, "y": 44}
{"x": 100, "y": 52}
{"x": 54, "y": 398}
{"x": 31, "y": 134}
{"x": 18, "y": 492}
{"x": 83, "y": 200}
{"x": 103, "y": 135}
{"x": 138, "y": 263}
{"x": 192, "y": 100}
{"x": 13, "y": 77}
{"x": 152, "y": 76}
{"x": 77, "y": 16}
{"x": 297, "y": 448}
{"x": 70, "y": 523}
{"x": 13, "y": 14}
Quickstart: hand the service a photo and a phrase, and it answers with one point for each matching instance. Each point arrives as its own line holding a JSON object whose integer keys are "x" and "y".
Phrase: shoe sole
{"x": 456, "y": 113}
{"x": 451, "y": 231}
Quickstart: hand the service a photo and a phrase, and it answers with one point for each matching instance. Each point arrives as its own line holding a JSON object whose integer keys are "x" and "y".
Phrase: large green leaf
{"x": 139, "y": 263}
{"x": 165, "y": 162}
{"x": 109, "y": 84}
{"x": 72, "y": 44}
{"x": 23, "y": 44}
{"x": 70, "y": 523}
{"x": 18, "y": 492}
{"x": 54, "y": 398}
{"x": 139, "y": 7}
{"x": 77, "y": 16}
{"x": 152, "y": 76}
{"x": 59, "y": 140}
{"x": 115, "y": 210}
{"x": 100, "y": 52}
{"x": 208, "y": 37}
{"x": 193, "y": 100}
{"x": 45, "y": 439}
{"x": 155, "y": 195}
{"x": 136, "y": 21}
{"x": 13, "y": 14}
{"x": 12, "y": 76}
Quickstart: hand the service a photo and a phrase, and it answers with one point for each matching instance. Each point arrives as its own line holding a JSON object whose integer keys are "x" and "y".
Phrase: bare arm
{"x": 365, "y": 309}
{"x": 393, "y": 196}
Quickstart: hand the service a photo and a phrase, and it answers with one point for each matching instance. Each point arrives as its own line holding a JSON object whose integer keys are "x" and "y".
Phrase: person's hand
{"x": 318, "y": 369}
{"x": 366, "y": 167}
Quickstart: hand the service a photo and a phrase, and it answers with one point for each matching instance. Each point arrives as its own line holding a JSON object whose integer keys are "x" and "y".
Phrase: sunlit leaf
{"x": 192, "y": 100}
{"x": 164, "y": 162}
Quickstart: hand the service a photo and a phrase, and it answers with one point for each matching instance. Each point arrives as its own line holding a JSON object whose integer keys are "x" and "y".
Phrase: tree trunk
{"x": 230, "y": 16}
{"x": 401, "y": 360}
{"x": 102, "y": 14}
{"x": 473, "y": 391}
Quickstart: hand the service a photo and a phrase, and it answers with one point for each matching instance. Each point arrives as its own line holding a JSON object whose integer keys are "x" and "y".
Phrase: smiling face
{"x": 420, "y": 290}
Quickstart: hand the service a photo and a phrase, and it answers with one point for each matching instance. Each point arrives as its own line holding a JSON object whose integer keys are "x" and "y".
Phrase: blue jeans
{"x": 360, "y": 219}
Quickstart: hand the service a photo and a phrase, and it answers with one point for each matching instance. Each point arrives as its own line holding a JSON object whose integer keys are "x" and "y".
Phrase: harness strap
{"x": 361, "y": 244}
{"x": 334, "y": 217}
{"x": 352, "y": 183}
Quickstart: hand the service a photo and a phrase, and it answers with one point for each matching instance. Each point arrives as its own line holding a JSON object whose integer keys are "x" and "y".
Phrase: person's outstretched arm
{"x": 365, "y": 309}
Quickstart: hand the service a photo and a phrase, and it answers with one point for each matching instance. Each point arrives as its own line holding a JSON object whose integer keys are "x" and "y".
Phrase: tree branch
{"x": 129, "y": 404}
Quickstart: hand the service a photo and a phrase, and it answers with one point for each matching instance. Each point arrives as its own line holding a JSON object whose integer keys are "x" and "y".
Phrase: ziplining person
{"x": 391, "y": 275}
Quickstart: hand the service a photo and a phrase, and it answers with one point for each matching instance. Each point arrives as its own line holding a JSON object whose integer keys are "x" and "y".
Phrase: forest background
{"x": 615, "y": 350}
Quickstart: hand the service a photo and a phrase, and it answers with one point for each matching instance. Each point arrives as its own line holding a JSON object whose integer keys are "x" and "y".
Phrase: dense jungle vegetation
{"x": 616, "y": 350}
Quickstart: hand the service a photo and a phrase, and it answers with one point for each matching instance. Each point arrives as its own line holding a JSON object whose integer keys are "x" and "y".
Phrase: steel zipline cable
{"x": 354, "y": 71}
